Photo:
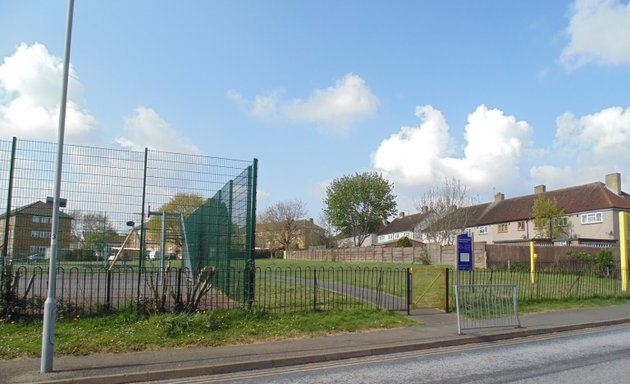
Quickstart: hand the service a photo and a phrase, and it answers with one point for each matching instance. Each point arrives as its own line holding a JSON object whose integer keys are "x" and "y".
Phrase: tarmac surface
{"x": 435, "y": 329}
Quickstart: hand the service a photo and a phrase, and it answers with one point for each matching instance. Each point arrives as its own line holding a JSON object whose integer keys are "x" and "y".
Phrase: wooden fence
{"x": 486, "y": 255}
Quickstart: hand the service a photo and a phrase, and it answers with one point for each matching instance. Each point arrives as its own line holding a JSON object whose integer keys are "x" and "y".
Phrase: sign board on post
{"x": 465, "y": 255}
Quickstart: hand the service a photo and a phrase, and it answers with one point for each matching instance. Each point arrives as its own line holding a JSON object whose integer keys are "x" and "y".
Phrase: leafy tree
{"x": 450, "y": 208}
{"x": 357, "y": 205}
{"x": 95, "y": 230}
{"x": 182, "y": 202}
{"x": 279, "y": 224}
{"x": 549, "y": 219}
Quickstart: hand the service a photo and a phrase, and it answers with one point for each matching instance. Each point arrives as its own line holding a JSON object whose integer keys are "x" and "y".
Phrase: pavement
{"x": 435, "y": 329}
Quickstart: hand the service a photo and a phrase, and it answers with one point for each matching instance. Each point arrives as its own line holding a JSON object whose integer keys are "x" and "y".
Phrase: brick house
{"x": 308, "y": 234}
{"x": 29, "y": 231}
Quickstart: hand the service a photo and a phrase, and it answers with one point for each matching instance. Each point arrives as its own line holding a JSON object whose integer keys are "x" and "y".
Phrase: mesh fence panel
{"x": 150, "y": 209}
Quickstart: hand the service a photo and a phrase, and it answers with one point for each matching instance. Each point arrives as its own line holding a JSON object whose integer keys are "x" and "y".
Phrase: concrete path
{"x": 437, "y": 329}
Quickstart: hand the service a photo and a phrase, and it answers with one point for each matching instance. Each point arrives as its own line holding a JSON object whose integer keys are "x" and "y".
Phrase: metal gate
{"x": 429, "y": 287}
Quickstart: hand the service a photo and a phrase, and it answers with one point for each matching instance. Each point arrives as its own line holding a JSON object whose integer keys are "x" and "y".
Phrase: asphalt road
{"x": 586, "y": 356}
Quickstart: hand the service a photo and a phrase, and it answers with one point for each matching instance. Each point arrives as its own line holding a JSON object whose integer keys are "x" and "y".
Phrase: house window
{"x": 41, "y": 219}
{"x": 483, "y": 230}
{"x": 503, "y": 228}
{"x": 40, "y": 234}
{"x": 521, "y": 226}
{"x": 37, "y": 250}
{"x": 560, "y": 221}
{"x": 590, "y": 218}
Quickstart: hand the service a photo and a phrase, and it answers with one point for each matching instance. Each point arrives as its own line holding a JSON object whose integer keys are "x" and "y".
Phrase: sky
{"x": 502, "y": 95}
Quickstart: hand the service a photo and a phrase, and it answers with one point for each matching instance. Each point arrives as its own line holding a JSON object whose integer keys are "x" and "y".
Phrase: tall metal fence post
{"x": 142, "y": 228}
{"x": 251, "y": 230}
{"x": 7, "y": 217}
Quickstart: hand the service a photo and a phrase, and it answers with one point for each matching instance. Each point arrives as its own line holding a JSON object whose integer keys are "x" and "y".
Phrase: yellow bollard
{"x": 623, "y": 246}
{"x": 532, "y": 262}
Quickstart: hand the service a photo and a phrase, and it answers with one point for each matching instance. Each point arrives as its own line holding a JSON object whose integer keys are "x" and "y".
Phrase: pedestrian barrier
{"x": 486, "y": 306}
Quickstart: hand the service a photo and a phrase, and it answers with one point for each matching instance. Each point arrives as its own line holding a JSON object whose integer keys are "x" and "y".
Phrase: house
{"x": 29, "y": 231}
{"x": 410, "y": 226}
{"x": 591, "y": 215}
{"x": 308, "y": 234}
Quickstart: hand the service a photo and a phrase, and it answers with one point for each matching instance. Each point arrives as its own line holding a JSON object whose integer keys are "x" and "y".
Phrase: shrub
{"x": 403, "y": 242}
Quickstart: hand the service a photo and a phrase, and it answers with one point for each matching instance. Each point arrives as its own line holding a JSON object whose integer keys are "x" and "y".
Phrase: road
{"x": 586, "y": 356}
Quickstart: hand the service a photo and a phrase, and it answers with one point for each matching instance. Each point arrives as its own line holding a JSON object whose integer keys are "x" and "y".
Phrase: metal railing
{"x": 93, "y": 291}
{"x": 486, "y": 306}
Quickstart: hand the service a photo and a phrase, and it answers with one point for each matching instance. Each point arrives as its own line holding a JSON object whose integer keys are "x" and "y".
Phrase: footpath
{"x": 435, "y": 329}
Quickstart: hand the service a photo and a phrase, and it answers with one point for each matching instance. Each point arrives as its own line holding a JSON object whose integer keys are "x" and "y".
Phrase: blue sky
{"x": 502, "y": 95}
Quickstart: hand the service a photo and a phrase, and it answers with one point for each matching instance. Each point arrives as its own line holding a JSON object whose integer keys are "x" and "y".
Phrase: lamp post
{"x": 50, "y": 306}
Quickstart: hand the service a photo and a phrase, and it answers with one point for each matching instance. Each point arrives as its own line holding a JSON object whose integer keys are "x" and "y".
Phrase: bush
{"x": 278, "y": 254}
{"x": 403, "y": 242}
{"x": 603, "y": 263}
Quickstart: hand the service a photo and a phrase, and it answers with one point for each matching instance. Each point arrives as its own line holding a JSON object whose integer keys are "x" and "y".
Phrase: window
{"x": 40, "y": 234}
{"x": 560, "y": 221}
{"x": 37, "y": 250}
{"x": 483, "y": 230}
{"x": 590, "y": 218}
{"x": 41, "y": 219}
{"x": 521, "y": 226}
{"x": 503, "y": 228}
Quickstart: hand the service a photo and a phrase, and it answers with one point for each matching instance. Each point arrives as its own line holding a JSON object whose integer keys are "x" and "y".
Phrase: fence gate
{"x": 429, "y": 287}
{"x": 486, "y": 306}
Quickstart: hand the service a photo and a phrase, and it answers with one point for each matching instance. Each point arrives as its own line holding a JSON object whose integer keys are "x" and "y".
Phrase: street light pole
{"x": 50, "y": 306}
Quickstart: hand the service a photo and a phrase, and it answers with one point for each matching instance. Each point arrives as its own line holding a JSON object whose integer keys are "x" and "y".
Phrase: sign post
{"x": 465, "y": 256}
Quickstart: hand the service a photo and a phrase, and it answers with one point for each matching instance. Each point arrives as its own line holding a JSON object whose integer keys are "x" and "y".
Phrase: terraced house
{"x": 591, "y": 215}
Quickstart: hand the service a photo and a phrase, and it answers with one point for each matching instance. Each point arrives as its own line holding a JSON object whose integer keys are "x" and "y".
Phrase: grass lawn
{"x": 126, "y": 331}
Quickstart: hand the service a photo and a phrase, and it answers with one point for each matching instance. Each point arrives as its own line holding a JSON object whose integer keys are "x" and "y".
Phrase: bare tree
{"x": 278, "y": 225}
{"x": 451, "y": 210}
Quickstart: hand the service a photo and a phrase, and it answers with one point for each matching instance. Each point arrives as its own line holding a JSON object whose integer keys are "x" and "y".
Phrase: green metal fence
{"x": 143, "y": 209}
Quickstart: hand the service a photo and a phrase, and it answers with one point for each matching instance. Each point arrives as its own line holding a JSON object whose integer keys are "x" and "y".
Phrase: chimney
{"x": 310, "y": 220}
{"x": 401, "y": 215}
{"x": 425, "y": 209}
{"x": 540, "y": 189}
{"x": 499, "y": 197}
{"x": 613, "y": 182}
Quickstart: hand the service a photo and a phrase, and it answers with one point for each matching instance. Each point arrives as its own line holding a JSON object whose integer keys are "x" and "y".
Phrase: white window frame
{"x": 591, "y": 218}
{"x": 41, "y": 219}
{"x": 40, "y": 234}
{"x": 483, "y": 230}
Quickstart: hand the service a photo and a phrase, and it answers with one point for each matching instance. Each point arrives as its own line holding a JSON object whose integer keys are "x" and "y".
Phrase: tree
{"x": 182, "y": 202}
{"x": 450, "y": 208}
{"x": 357, "y": 205}
{"x": 95, "y": 230}
{"x": 549, "y": 219}
{"x": 279, "y": 224}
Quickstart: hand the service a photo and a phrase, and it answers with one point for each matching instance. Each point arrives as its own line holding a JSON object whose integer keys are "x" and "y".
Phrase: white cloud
{"x": 30, "y": 95}
{"x": 336, "y": 108}
{"x": 411, "y": 156}
{"x": 590, "y": 147}
{"x": 497, "y": 145}
{"x": 599, "y": 31}
{"x": 145, "y": 128}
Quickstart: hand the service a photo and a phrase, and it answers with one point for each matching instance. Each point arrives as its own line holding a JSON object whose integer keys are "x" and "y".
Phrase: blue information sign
{"x": 464, "y": 252}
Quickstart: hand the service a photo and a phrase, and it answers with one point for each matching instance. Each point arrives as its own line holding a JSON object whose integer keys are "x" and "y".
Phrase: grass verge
{"x": 127, "y": 332}
{"x": 562, "y": 305}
